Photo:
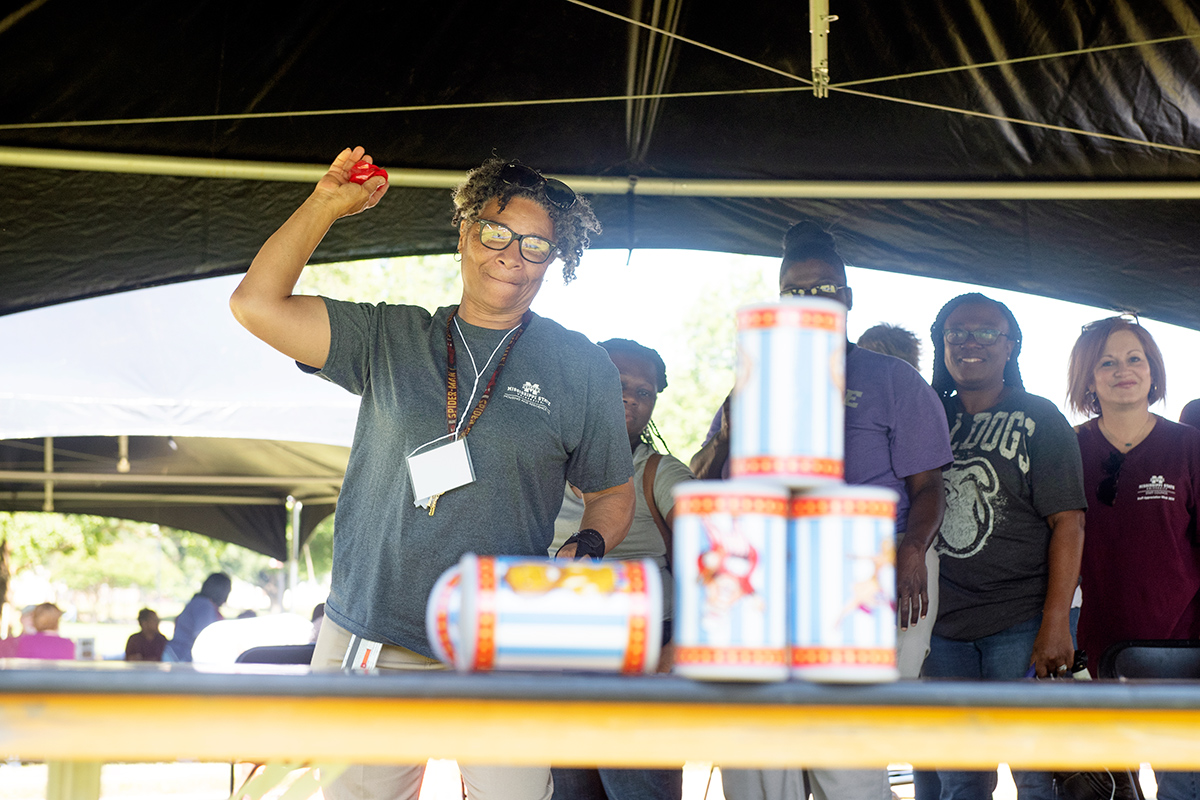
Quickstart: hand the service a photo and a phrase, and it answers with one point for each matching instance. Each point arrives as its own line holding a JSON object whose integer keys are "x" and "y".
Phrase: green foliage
{"x": 320, "y": 547}
{"x": 32, "y": 537}
{"x": 85, "y": 552}
{"x": 699, "y": 385}
{"x": 428, "y": 281}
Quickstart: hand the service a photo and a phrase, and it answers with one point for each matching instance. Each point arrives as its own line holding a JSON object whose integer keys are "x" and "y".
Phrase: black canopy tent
{"x": 1046, "y": 147}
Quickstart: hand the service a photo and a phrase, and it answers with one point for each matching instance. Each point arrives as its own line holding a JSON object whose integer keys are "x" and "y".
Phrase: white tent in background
{"x": 158, "y": 406}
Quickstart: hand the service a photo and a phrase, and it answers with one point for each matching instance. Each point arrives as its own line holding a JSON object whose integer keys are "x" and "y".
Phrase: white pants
{"x": 912, "y": 645}
{"x": 403, "y": 781}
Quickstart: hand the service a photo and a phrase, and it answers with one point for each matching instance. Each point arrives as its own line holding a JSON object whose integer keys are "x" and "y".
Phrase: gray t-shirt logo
{"x": 530, "y": 394}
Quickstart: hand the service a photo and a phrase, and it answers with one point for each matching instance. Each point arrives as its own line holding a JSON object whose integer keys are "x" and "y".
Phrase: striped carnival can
{"x": 730, "y": 555}
{"x": 441, "y": 615}
{"x": 842, "y": 584}
{"x": 788, "y": 400}
{"x": 545, "y": 614}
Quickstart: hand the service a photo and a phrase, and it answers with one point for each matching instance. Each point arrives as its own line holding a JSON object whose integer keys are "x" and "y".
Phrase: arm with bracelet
{"x": 607, "y": 515}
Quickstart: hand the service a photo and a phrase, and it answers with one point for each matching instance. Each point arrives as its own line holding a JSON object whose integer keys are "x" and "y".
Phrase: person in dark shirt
{"x": 148, "y": 643}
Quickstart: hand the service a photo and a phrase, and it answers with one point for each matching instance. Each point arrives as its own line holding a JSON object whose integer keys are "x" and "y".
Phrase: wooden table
{"x": 98, "y": 712}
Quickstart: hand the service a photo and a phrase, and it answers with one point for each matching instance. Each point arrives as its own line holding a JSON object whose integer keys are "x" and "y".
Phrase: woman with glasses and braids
{"x": 1012, "y": 535}
{"x": 510, "y": 405}
{"x": 643, "y": 377}
{"x": 1141, "y": 563}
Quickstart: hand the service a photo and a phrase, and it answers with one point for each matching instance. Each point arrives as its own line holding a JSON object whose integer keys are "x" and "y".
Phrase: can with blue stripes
{"x": 788, "y": 400}
{"x": 730, "y": 554}
{"x": 548, "y": 614}
{"x": 842, "y": 584}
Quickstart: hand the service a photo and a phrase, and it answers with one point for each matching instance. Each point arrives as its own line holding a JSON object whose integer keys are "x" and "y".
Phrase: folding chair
{"x": 269, "y": 654}
{"x": 1152, "y": 658}
{"x": 277, "y": 654}
{"x": 1147, "y": 659}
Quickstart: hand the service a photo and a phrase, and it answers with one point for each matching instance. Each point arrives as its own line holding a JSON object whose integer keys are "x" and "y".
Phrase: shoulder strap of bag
{"x": 648, "y": 490}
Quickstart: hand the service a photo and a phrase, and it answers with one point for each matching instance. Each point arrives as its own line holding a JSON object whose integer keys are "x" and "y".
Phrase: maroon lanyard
{"x": 452, "y": 375}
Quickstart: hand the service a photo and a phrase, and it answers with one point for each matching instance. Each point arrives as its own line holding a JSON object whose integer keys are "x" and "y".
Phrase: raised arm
{"x": 297, "y": 325}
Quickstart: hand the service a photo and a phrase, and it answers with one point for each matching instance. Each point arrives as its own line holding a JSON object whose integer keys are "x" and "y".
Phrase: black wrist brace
{"x": 587, "y": 542}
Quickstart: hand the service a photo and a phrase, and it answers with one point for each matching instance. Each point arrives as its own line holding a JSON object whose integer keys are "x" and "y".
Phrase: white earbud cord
{"x": 474, "y": 387}
{"x": 478, "y": 372}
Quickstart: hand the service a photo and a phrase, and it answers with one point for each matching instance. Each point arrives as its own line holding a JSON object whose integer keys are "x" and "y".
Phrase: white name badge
{"x": 439, "y": 470}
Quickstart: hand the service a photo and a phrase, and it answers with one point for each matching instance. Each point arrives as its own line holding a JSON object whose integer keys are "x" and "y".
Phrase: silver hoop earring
{"x": 457, "y": 258}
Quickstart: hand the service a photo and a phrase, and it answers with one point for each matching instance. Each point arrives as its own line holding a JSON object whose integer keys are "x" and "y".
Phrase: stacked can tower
{"x": 784, "y": 569}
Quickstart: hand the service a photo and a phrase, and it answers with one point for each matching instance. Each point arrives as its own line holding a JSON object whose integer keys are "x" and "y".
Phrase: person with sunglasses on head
{"x": 1012, "y": 535}
{"x": 895, "y": 437}
{"x": 510, "y": 404}
{"x": 1141, "y": 561}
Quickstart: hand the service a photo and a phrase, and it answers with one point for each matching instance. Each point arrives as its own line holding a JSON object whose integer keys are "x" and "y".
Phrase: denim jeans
{"x": 1178, "y": 785}
{"x": 617, "y": 784}
{"x": 1001, "y": 656}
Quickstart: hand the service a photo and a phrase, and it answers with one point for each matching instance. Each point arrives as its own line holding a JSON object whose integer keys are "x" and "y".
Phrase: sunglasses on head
{"x": 1106, "y": 490}
{"x": 555, "y": 191}
{"x": 1127, "y": 317}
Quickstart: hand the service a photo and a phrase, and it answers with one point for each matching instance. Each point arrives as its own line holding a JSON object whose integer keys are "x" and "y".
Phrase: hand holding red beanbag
{"x": 363, "y": 171}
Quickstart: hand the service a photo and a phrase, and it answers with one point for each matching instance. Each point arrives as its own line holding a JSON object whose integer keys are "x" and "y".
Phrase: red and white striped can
{"x": 788, "y": 401}
{"x": 842, "y": 584}
{"x": 730, "y": 557}
{"x": 441, "y": 615}
{"x": 547, "y": 614}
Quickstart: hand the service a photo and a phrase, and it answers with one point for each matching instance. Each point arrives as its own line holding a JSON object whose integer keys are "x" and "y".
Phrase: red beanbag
{"x": 361, "y": 172}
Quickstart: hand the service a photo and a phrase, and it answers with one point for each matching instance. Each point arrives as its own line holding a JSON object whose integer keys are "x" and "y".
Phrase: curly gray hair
{"x": 571, "y": 226}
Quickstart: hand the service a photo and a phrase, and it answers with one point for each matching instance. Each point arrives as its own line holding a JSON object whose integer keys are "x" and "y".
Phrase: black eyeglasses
{"x": 820, "y": 290}
{"x": 1106, "y": 490}
{"x": 558, "y": 193}
{"x": 1128, "y": 317}
{"x": 985, "y": 337}
{"x": 495, "y": 236}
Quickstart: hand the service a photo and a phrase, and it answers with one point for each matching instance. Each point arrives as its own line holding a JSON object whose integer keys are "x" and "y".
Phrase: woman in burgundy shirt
{"x": 1141, "y": 564}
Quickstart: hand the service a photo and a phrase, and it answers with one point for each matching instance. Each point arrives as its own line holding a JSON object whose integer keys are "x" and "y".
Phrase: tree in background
{"x": 427, "y": 281}
{"x": 90, "y": 555}
{"x": 698, "y": 385}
